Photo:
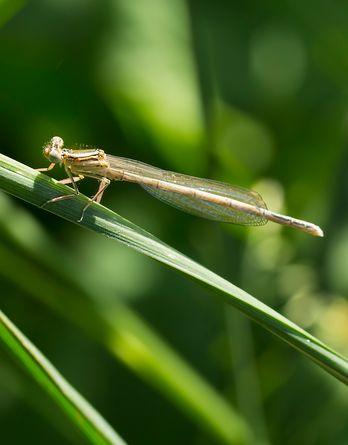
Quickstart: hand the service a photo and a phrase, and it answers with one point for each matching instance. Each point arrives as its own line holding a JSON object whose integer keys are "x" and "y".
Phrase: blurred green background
{"x": 252, "y": 93}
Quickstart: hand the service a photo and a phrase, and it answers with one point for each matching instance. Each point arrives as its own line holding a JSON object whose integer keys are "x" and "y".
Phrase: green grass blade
{"x": 82, "y": 414}
{"x": 55, "y": 282}
{"x": 25, "y": 183}
{"x": 133, "y": 342}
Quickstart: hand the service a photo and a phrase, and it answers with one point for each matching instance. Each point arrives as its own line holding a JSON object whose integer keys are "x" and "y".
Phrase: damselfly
{"x": 206, "y": 198}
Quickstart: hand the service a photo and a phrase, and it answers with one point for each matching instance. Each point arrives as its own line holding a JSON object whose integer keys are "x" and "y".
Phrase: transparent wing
{"x": 148, "y": 177}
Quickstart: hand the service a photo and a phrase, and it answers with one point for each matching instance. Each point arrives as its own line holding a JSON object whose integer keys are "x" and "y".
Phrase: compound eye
{"x": 53, "y": 150}
{"x": 57, "y": 142}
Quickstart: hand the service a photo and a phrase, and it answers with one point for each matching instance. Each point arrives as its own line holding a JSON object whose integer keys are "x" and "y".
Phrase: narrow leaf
{"x": 26, "y": 183}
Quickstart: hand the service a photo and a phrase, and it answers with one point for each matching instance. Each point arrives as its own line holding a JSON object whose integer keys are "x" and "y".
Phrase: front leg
{"x": 46, "y": 169}
{"x": 70, "y": 180}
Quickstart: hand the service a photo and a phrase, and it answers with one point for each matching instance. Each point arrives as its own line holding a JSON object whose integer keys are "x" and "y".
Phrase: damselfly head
{"x": 53, "y": 150}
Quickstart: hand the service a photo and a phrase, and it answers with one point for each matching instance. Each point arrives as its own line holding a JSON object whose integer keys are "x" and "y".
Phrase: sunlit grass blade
{"x": 23, "y": 182}
{"x": 81, "y": 413}
{"x": 55, "y": 282}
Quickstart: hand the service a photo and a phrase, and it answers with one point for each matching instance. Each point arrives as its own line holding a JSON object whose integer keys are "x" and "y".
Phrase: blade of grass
{"x": 119, "y": 330}
{"x": 26, "y": 183}
{"x": 14, "y": 387}
{"x": 81, "y": 413}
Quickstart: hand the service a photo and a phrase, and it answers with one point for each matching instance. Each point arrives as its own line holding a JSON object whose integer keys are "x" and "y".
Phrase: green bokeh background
{"x": 252, "y": 93}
